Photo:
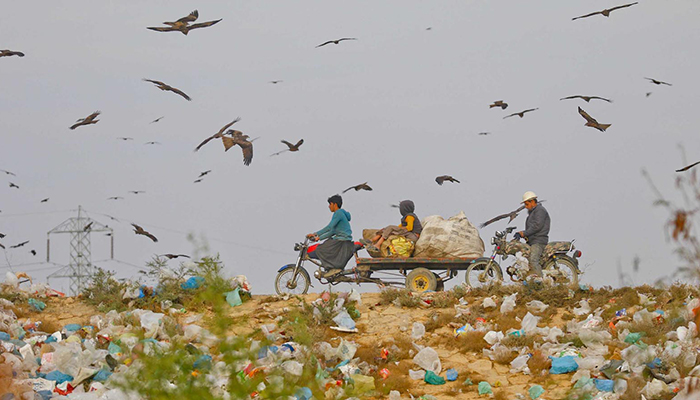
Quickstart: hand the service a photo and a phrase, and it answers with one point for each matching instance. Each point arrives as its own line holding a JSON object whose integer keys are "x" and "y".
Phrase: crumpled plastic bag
{"x": 583, "y": 308}
{"x": 428, "y": 359}
{"x": 536, "y": 306}
{"x": 529, "y": 323}
{"x": 344, "y": 320}
{"x": 493, "y": 337}
{"x": 519, "y": 364}
{"x": 485, "y": 388}
{"x": 563, "y": 365}
{"x": 508, "y": 303}
{"x": 418, "y": 331}
{"x": 535, "y": 391}
{"x": 233, "y": 298}
{"x": 488, "y": 303}
{"x": 151, "y": 321}
{"x": 654, "y": 389}
{"x": 433, "y": 379}
{"x": 345, "y": 350}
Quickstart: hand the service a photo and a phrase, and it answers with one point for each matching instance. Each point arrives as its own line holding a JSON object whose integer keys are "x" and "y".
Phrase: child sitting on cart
{"x": 410, "y": 228}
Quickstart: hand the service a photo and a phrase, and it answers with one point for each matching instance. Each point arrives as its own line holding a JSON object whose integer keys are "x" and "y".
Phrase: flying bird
{"x": 44, "y": 200}
{"x": 657, "y": 82}
{"x": 33, "y": 252}
{"x": 19, "y": 244}
{"x": 7, "y": 172}
{"x": 521, "y": 113}
{"x": 648, "y": 94}
{"x": 2, "y": 246}
{"x": 334, "y": 41}
{"x": 441, "y": 179}
{"x": 140, "y": 231}
{"x": 137, "y": 191}
{"x": 484, "y": 133}
{"x": 361, "y": 186}
{"x": 115, "y": 198}
{"x": 12, "y": 185}
{"x": 586, "y": 98}
{"x": 606, "y": 12}
{"x": 688, "y": 167}
{"x": 171, "y": 256}
{"x": 152, "y": 143}
{"x": 275, "y": 82}
{"x": 2, "y": 235}
{"x": 89, "y": 120}
{"x": 162, "y": 86}
{"x": 87, "y": 227}
{"x": 156, "y": 120}
{"x": 238, "y": 138}
{"x": 590, "y": 121}
{"x": 499, "y": 103}
{"x": 125, "y": 138}
{"x": 292, "y": 147}
{"x": 204, "y": 173}
{"x": 183, "y": 24}
{"x": 198, "y": 180}
{"x": 9, "y": 53}
{"x": 218, "y": 134}
{"x": 511, "y": 215}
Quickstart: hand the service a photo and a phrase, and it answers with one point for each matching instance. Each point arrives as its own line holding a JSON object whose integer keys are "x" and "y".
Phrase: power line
{"x": 37, "y": 213}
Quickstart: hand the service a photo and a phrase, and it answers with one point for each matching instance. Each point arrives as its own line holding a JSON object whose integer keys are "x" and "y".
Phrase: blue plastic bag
{"x": 101, "y": 375}
{"x": 193, "y": 282}
{"x": 36, "y": 304}
{"x": 451, "y": 374}
{"x": 4, "y": 336}
{"x": 233, "y": 298}
{"x": 563, "y": 365}
{"x": 72, "y": 328}
{"x": 58, "y": 376}
{"x": 303, "y": 394}
{"x": 604, "y": 385}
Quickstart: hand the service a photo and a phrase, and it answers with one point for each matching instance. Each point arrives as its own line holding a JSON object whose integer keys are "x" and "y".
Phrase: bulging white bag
{"x": 455, "y": 237}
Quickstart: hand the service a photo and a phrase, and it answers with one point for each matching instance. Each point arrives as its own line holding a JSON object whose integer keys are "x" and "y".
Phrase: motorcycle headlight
{"x": 493, "y": 240}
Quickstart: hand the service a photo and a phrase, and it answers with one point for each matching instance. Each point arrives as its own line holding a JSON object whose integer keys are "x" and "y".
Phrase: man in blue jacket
{"x": 536, "y": 230}
{"x": 337, "y": 250}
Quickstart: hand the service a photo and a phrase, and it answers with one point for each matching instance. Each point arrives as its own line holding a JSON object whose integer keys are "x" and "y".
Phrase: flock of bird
{"x": 231, "y": 137}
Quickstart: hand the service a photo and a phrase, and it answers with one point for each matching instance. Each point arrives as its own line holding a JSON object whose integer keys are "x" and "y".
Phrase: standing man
{"x": 335, "y": 252}
{"x": 536, "y": 231}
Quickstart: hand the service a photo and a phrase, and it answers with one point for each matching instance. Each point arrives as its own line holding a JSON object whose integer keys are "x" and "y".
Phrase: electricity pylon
{"x": 79, "y": 269}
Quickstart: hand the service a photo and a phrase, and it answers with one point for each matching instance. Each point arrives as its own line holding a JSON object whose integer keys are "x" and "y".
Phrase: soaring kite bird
{"x": 441, "y": 179}
{"x": 171, "y": 256}
{"x": 218, "y": 134}
{"x": 511, "y": 215}
{"x": 201, "y": 174}
{"x": 140, "y": 231}
{"x": 238, "y": 138}
{"x": 9, "y": 53}
{"x": 335, "y": 41}
{"x": 8, "y": 172}
{"x": 89, "y": 120}
{"x": 183, "y": 24}
{"x": 657, "y": 82}
{"x": 586, "y": 98}
{"x": 688, "y": 167}
{"x": 590, "y": 121}
{"x": 521, "y": 113}
{"x": 157, "y": 119}
{"x": 163, "y": 86}
{"x": 606, "y": 12}
{"x": 292, "y": 147}
{"x": 19, "y": 244}
{"x": 361, "y": 186}
{"x": 12, "y": 185}
{"x": 499, "y": 103}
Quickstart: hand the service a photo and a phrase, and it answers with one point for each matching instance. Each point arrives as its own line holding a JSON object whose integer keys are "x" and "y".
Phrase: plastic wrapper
{"x": 493, "y": 337}
{"x": 508, "y": 304}
{"x": 583, "y": 308}
{"x": 488, "y": 303}
{"x": 529, "y": 323}
{"x": 418, "y": 331}
{"x": 497, "y": 352}
{"x": 536, "y": 306}
{"x": 429, "y": 360}
{"x": 519, "y": 364}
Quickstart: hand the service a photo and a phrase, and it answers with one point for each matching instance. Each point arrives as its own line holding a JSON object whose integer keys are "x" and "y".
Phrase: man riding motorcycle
{"x": 536, "y": 231}
{"x": 335, "y": 252}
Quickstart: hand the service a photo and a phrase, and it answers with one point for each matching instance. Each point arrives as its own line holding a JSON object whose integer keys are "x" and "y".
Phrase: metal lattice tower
{"x": 79, "y": 269}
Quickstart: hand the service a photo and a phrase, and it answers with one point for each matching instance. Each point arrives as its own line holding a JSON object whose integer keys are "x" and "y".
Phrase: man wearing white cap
{"x": 536, "y": 230}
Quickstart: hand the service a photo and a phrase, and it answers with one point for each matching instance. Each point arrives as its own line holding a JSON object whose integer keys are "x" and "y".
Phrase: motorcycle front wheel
{"x": 286, "y": 284}
{"x": 483, "y": 273}
{"x": 563, "y": 270}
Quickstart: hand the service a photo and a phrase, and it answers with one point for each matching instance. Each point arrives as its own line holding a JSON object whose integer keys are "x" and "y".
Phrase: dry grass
{"x": 517, "y": 342}
{"x": 539, "y": 365}
{"x": 505, "y": 358}
{"x": 499, "y": 395}
{"x": 635, "y": 384}
{"x": 444, "y": 299}
{"x": 397, "y": 379}
{"x": 438, "y": 320}
{"x": 472, "y": 342}
{"x": 402, "y": 296}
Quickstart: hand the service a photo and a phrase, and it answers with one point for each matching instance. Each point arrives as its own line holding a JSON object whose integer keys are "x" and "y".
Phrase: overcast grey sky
{"x": 396, "y": 108}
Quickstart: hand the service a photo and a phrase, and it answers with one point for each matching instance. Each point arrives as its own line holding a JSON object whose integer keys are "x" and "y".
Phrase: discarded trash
{"x": 451, "y": 374}
{"x": 633, "y": 338}
{"x": 604, "y": 385}
{"x": 416, "y": 375}
{"x": 344, "y": 321}
{"x": 429, "y": 360}
{"x": 563, "y": 365}
{"x": 193, "y": 282}
{"x": 363, "y": 384}
{"x": 583, "y": 308}
{"x": 508, "y": 304}
{"x": 394, "y": 395}
{"x": 233, "y": 298}
{"x": 536, "y": 306}
{"x": 36, "y": 304}
{"x": 485, "y": 388}
{"x": 535, "y": 391}
{"x": 464, "y": 329}
{"x": 488, "y": 303}
{"x": 432, "y": 379}
{"x": 492, "y": 337}
{"x": 418, "y": 331}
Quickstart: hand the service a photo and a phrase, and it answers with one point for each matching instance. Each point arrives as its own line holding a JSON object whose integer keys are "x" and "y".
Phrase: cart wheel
{"x": 440, "y": 283}
{"x": 421, "y": 280}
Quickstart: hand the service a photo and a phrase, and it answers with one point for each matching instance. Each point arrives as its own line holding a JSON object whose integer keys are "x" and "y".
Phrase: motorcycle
{"x": 558, "y": 268}
{"x": 293, "y": 279}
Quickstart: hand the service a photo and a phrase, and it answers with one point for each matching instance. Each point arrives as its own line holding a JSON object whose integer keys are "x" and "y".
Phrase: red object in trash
{"x": 385, "y": 354}
{"x": 384, "y": 373}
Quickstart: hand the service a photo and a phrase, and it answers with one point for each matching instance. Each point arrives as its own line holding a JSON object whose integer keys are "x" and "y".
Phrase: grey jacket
{"x": 537, "y": 225}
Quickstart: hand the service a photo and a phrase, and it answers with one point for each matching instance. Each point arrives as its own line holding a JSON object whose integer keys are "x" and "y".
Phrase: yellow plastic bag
{"x": 401, "y": 247}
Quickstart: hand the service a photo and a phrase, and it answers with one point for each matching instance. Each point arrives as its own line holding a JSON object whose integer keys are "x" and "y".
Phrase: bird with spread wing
{"x": 170, "y": 256}
{"x": 89, "y": 120}
{"x": 238, "y": 138}
{"x": 499, "y": 103}
{"x": 335, "y": 41}
{"x": 511, "y": 216}
{"x": 688, "y": 167}
{"x": 8, "y": 172}
{"x": 657, "y": 82}
{"x": 521, "y": 113}
{"x": 19, "y": 244}
{"x": 162, "y": 86}
{"x": 443, "y": 178}
{"x": 9, "y": 53}
{"x": 606, "y": 12}
{"x": 140, "y": 231}
{"x": 361, "y": 186}
{"x": 292, "y": 147}
{"x": 587, "y": 99}
{"x": 218, "y": 134}
{"x": 183, "y": 24}
{"x": 590, "y": 121}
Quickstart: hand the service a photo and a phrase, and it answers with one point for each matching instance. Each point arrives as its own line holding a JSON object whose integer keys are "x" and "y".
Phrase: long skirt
{"x": 335, "y": 254}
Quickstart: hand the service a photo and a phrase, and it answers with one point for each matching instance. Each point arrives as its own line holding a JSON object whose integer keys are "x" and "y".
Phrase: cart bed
{"x": 379, "y": 264}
